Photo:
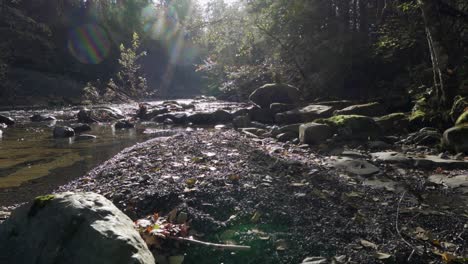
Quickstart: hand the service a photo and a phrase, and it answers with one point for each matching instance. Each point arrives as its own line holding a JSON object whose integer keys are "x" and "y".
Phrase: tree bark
{"x": 445, "y": 82}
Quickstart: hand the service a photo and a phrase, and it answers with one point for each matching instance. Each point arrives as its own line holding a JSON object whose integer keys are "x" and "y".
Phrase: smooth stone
{"x": 355, "y": 166}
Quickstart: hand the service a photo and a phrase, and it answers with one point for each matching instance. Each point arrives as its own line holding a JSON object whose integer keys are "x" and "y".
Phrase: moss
{"x": 417, "y": 115}
{"x": 39, "y": 203}
{"x": 392, "y": 116}
{"x": 459, "y": 105}
{"x": 463, "y": 119}
{"x": 341, "y": 120}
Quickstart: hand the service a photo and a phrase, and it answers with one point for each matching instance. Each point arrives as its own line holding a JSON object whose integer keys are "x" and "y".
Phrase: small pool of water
{"x": 33, "y": 163}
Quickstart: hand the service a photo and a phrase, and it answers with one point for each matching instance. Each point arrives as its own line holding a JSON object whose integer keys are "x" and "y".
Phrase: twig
{"x": 213, "y": 245}
{"x": 415, "y": 249}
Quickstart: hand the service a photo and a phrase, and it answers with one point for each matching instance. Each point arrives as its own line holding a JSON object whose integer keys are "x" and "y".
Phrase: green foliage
{"x": 130, "y": 80}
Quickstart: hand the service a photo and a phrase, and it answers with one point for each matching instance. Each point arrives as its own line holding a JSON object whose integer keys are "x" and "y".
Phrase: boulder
{"x": 353, "y": 126}
{"x": 262, "y": 115}
{"x": 279, "y": 107}
{"x": 71, "y": 228}
{"x": 41, "y": 118}
{"x": 63, "y": 132}
{"x": 82, "y": 128}
{"x": 124, "y": 124}
{"x": 463, "y": 119}
{"x": 304, "y": 114}
{"x": 370, "y": 109}
{"x": 6, "y": 120}
{"x": 396, "y": 123}
{"x": 221, "y": 116}
{"x": 314, "y": 133}
{"x": 275, "y": 93}
{"x": 200, "y": 118}
{"x": 177, "y": 118}
{"x": 456, "y": 138}
{"x": 241, "y": 121}
{"x": 99, "y": 114}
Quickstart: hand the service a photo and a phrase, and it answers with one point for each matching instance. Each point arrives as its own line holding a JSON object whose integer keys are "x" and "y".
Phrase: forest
{"x": 233, "y": 131}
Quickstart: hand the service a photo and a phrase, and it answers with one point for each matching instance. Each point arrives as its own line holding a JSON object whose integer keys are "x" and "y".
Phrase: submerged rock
{"x": 85, "y": 137}
{"x": 63, "y": 132}
{"x": 71, "y": 228}
{"x": 456, "y": 138}
{"x": 82, "y": 128}
{"x": 177, "y": 118}
{"x": 99, "y": 114}
{"x": 370, "y": 109}
{"x": 7, "y": 120}
{"x": 124, "y": 124}
{"x": 41, "y": 118}
{"x": 275, "y": 93}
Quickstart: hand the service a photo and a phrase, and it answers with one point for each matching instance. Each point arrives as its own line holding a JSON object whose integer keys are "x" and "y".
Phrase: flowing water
{"x": 33, "y": 163}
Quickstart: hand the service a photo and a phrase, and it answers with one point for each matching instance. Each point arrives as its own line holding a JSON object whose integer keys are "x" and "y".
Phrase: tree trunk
{"x": 445, "y": 81}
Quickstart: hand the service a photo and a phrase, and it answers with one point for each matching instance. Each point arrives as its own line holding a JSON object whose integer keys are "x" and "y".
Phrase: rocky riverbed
{"x": 329, "y": 182}
{"x": 286, "y": 201}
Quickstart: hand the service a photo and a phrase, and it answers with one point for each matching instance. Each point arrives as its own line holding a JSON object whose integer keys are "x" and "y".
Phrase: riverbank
{"x": 286, "y": 201}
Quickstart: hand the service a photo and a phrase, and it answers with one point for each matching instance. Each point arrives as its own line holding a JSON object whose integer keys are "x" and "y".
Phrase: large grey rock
{"x": 370, "y": 109}
{"x": 6, "y": 120}
{"x": 99, "y": 114}
{"x": 71, "y": 228}
{"x": 304, "y": 114}
{"x": 275, "y": 93}
{"x": 314, "y": 133}
{"x": 456, "y": 138}
{"x": 63, "y": 132}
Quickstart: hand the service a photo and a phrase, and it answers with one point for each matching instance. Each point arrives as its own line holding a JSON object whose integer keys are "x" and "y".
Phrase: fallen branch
{"x": 415, "y": 249}
{"x": 213, "y": 245}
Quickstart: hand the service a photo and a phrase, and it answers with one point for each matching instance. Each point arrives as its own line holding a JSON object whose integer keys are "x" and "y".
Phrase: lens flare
{"x": 89, "y": 44}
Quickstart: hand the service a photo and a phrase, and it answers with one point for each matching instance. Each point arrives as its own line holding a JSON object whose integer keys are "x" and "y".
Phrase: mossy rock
{"x": 459, "y": 105}
{"x": 39, "y": 203}
{"x": 394, "y": 123}
{"x": 353, "y": 126}
{"x": 463, "y": 119}
{"x": 456, "y": 138}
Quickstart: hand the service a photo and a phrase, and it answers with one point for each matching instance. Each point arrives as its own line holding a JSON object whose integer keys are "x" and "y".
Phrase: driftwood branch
{"x": 213, "y": 245}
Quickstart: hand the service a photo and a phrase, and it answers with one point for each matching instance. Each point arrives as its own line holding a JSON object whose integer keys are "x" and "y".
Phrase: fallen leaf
{"x": 381, "y": 255}
{"x": 368, "y": 244}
